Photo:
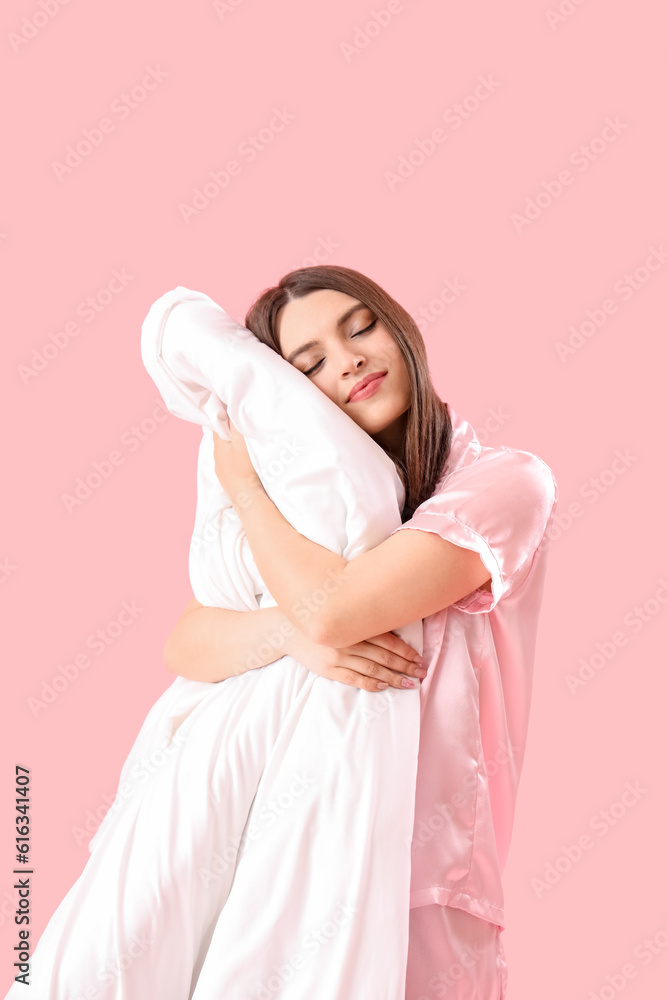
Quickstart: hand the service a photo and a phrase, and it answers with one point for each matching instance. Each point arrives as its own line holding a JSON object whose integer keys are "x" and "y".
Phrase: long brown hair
{"x": 428, "y": 431}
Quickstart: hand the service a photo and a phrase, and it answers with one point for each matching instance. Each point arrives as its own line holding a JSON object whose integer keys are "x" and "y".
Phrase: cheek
{"x": 323, "y": 385}
{"x": 405, "y": 391}
{"x": 402, "y": 377}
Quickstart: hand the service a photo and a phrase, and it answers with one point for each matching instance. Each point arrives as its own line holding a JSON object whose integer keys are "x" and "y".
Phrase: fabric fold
{"x": 270, "y": 837}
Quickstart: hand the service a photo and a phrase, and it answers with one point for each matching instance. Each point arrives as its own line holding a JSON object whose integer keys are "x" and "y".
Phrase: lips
{"x": 363, "y": 383}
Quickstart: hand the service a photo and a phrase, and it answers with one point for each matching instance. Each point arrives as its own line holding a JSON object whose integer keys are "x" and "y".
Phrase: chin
{"x": 376, "y": 423}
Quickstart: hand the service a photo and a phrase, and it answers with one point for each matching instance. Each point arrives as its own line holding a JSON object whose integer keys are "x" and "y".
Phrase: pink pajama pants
{"x": 454, "y": 955}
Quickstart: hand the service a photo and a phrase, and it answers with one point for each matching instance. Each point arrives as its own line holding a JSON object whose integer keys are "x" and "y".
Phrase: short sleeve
{"x": 500, "y": 506}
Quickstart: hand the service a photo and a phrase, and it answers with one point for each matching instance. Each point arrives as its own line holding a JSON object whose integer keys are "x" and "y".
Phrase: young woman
{"x": 473, "y": 569}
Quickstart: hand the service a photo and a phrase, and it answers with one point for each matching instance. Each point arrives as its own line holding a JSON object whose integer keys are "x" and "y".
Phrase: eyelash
{"x": 315, "y": 367}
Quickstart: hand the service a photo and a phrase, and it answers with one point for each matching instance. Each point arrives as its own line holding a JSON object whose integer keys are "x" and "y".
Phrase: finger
{"x": 397, "y": 645}
{"x": 355, "y": 679}
{"x": 375, "y": 672}
{"x": 404, "y": 648}
{"x": 387, "y": 658}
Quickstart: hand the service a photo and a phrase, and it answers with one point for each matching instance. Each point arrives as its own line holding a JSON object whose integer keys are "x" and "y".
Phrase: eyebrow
{"x": 314, "y": 343}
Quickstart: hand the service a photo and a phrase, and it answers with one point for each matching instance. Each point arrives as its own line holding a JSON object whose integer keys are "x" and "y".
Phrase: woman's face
{"x": 337, "y": 342}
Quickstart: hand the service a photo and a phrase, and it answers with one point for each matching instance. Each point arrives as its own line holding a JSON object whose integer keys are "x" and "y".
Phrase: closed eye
{"x": 365, "y": 330}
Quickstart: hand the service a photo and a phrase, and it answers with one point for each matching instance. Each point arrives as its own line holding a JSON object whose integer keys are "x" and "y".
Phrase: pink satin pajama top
{"x": 480, "y": 652}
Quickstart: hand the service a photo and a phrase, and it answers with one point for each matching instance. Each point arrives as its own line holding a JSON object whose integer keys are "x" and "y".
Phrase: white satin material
{"x": 266, "y": 854}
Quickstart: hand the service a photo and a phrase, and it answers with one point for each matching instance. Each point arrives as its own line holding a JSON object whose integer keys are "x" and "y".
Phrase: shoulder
{"x": 526, "y": 468}
{"x": 503, "y": 470}
{"x": 503, "y": 494}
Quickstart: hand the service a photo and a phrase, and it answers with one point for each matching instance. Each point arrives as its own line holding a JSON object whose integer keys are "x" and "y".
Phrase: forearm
{"x": 302, "y": 576}
{"x": 212, "y": 644}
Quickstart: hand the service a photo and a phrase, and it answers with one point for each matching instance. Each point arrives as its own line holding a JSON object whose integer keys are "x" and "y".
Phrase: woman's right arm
{"x": 212, "y": 644}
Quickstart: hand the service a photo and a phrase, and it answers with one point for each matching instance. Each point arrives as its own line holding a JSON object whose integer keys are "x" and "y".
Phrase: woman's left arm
{"x": 335, "y": 601}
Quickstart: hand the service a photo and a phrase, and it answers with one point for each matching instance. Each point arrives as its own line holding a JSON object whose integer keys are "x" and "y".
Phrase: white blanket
{"x": 256, "y": 847}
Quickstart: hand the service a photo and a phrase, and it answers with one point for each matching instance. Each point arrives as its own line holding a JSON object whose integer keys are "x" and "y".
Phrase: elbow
{"x": 171, "y": 658}
{"x": 339, "y": 631}
{"x": 331, "y": 624}
{"x": 324, "y": 629}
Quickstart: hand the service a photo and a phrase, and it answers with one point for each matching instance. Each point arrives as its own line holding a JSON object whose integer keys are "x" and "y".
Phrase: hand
{"x": 372, "y": 665}
{"x": 233, "y": 467}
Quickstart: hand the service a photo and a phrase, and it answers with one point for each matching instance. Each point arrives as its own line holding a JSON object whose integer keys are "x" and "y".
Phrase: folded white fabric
{"x": 325, "y": 474}
{"x": 264, "y": 849}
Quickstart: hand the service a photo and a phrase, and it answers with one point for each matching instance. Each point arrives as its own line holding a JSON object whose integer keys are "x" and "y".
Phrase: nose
{"x": 351, "y": 363}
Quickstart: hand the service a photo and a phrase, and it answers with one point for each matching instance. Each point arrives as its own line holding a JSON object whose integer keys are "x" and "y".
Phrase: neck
{"x": 392, "y": 438}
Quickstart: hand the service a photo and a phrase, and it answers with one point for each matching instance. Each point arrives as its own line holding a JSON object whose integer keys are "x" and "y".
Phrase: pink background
{"x": 321, "y": 183}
